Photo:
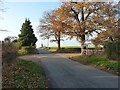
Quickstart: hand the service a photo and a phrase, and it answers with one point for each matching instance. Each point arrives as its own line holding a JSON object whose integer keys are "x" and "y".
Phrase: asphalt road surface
{"x": 65, "y": 73}
{"x": 42, "y": 51}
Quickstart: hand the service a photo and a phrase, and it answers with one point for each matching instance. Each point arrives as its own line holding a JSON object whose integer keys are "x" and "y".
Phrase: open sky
{"x": 15, "y": 15}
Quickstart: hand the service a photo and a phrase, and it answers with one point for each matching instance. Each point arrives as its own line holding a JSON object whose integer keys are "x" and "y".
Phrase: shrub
{"x": 113, "y": 50}
{"x": 27, "y": 50}
{"x": 9, "y": 52}
{"x": 69, "y": 50}
{"x": 18, "y": 45}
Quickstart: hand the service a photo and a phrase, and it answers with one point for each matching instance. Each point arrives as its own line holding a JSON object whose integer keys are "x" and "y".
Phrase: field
{"x": 72, "y": 47}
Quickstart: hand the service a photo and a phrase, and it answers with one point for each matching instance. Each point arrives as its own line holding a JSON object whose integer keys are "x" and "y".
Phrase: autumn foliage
{"x": 52, "y": 26}
{"x": 81, "y": 20}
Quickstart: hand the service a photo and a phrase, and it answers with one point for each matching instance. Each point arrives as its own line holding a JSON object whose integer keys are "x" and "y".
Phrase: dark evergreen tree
{"x": 27, "y": 36}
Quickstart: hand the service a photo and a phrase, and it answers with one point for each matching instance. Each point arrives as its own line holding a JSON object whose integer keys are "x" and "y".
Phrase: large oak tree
{"x": 85, "y": 18}
{"x": 109, "y": 35}
{"x": 111, "y": 26}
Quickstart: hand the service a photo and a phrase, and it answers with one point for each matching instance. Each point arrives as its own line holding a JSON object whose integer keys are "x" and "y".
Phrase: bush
{"x": 18, "y": 45}
{"x": 9, "y": 52}
{"x": 69, "y": 50}
{"x": 113, "y": 50}
{"x": 27, "y": 50}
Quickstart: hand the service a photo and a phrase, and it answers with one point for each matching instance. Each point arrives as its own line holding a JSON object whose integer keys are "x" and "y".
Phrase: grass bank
{"x": 23, "y": 74}
{"x": 101, "y": 63}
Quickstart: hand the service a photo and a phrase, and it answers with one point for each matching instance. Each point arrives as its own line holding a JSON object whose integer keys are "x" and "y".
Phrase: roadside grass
{"x": 23, "y": 74}
{"x": 102, "y": 63}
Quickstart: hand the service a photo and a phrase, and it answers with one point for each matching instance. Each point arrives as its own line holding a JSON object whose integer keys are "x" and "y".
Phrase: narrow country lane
{"x": 65, "y": 73}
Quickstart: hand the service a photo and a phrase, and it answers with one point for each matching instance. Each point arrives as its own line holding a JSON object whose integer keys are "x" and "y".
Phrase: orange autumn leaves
{"x": 80, "y": 19}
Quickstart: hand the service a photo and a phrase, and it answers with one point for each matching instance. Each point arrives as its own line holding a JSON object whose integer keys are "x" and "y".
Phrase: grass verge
{"x": 23, "y": 74}
{"x": 101, "y": 63}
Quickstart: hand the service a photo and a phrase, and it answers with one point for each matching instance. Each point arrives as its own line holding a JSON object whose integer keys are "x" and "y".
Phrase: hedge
{"x": 9, "y": 52}
{"x": 112, "y": 50}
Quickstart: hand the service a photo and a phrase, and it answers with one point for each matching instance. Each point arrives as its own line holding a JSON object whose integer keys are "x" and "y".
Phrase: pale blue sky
{"x": 15, "y": 15}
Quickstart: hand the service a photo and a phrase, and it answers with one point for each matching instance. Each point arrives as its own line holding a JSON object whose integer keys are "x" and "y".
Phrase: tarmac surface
{"x": 65, "y": 73}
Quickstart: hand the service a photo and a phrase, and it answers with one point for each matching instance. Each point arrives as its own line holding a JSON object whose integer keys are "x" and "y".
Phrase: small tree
{"x": 27, "y": 37}
{"x": 7, "y": 39}
{"x": 52, "y": 25}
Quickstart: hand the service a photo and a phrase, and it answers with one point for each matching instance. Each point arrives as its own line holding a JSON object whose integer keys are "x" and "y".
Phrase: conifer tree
{"x": 27, "y": 36}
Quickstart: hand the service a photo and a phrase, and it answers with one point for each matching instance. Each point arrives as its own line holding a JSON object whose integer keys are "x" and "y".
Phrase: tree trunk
{"x": 58, "y": 44}
{"x": 59, "y": 41}
{"x": 82, "y": 44}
